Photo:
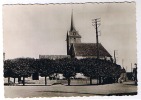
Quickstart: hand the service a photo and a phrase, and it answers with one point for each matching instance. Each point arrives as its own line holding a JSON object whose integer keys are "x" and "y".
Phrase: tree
{"x": 89, "y": 68}
{"x": 46, "y": 68}
{"x": 67, "y": 68}
{"x": 23, "y": 67}
{"x": 104, "y": 71}
{"x": 8, "y": 69}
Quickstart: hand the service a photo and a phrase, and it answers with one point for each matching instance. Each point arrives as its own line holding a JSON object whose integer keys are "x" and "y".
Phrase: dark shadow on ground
{"x": 88, "y": 84}
{"x": 83, "y": 85}
{"x": 122, "y": 94}
{"x": 32, "y": 85}
{"x": 114, "y": 94}
{"x": 67, "y": 92}
{"x": 130, "y": 84}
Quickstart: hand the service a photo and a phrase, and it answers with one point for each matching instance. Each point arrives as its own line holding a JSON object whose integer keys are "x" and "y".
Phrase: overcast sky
{"x": 30, "y": 30}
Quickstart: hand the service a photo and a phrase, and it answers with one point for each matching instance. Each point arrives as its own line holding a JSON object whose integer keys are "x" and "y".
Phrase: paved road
{"x": 62, "y": 90}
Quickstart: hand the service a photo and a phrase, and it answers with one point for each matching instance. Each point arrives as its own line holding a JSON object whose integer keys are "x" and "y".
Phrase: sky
{"x": 30, "y": 30}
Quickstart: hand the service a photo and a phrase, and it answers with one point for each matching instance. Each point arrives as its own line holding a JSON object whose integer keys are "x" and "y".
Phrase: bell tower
{"x": 72, "y": 36}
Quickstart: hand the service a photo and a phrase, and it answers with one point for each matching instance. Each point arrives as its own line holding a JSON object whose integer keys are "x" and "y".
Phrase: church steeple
{"x": 72, "y": 36}
{"x": 72, "y": 24}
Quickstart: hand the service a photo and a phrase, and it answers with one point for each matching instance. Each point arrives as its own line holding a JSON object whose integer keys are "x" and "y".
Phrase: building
{"x": 53, "y": 57}
{"x": 79, "y": 50}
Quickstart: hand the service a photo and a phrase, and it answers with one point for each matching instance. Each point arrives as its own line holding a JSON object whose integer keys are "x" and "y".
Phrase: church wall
{"x": 83, "y": 57}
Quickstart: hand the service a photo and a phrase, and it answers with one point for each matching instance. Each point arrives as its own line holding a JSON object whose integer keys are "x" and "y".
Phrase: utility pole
{"x": 114, "y": 57}
{"x": 4, "y": 56}
{"x": 131, "y": 67}
{"x": 96, "y": 24}
{"x": 122, "y": 62}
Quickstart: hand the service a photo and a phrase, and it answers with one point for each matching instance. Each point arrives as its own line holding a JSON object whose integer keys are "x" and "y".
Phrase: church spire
{"x": 72, "y": 26}
{"x": 72, "y": 36}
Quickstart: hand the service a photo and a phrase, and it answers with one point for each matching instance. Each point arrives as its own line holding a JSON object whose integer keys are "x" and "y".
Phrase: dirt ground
{"x": 38, "y": 90}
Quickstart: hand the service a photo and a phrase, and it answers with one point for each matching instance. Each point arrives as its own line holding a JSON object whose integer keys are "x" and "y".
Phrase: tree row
{"x": 102, "y": 70}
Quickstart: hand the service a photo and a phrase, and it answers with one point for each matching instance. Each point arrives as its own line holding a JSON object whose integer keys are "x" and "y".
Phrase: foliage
{"x": 90, "y": 67}
{"x": 45, "y": 67}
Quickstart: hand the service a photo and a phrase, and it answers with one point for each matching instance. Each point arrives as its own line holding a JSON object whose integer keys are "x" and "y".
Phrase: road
{"x": 64, "y": 90}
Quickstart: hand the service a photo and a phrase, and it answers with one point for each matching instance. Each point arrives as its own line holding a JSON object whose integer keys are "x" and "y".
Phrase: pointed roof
{"x": 72, "y": 26}
{"x": 89, "y": 49}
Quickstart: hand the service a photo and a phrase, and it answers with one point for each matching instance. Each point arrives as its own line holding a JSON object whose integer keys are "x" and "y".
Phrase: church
{"x": 77, "y": 49}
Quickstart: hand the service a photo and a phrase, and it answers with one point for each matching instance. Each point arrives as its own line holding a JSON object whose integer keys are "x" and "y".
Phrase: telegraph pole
{"x": 131, "y": 67}
{"x": 114, "y": 57}
{"x": 96, "y": 24}
{"x": 122, "y": 62}
{"x": 4, "y": 56}
{"x": 126, "y": 68}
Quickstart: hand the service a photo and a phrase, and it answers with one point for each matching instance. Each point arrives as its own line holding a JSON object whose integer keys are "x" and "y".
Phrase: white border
{"x": 138, "y": 18}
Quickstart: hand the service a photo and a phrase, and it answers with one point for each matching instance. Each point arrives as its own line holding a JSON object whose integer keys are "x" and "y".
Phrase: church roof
{"x": 89, "y": 49}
